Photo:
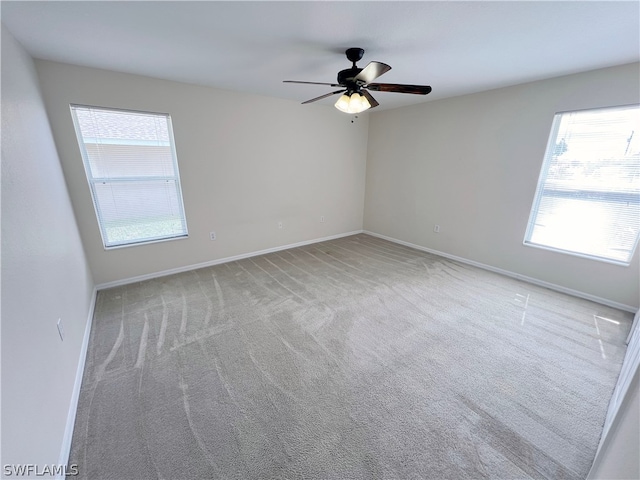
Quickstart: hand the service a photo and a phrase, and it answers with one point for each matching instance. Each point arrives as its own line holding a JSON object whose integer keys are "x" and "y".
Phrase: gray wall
{"x": 44, "y": 273}
{"x": 246, "y": 162}
{"x": 471, "y": 165}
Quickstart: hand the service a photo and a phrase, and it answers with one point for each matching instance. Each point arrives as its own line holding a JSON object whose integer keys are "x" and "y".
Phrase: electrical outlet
{"x": 212, "y": 235}
{"x": 279, "y": 224}
{"x": 436, "y": 228}
{"x": 321, "y": 218}
{"x": 60, "y": 329}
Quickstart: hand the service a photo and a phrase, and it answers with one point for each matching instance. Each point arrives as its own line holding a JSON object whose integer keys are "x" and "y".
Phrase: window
{"x": 131, "y": 165}
{"x": 588, "y": 198}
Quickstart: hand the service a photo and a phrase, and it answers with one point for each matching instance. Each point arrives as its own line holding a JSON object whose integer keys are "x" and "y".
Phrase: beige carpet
{"x": 350, "y": 359}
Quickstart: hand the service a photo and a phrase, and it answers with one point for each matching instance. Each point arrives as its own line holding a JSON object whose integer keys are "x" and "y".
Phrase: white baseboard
{"x": 75, "y": 395}
{"x": 149, "y": 276}
{"x": 534, "y": 281}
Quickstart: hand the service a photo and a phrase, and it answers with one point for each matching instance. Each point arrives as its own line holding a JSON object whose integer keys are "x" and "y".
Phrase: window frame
{"x": 542, "y": 180}
{"x": 93, "y": 181}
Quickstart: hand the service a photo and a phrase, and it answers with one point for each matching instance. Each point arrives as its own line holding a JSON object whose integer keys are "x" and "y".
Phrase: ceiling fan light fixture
{"x": 353, "y": 103}
{"x": 355, "y": 81}
{"x": 343, "y": 103}
{"x": 365, "y": 103}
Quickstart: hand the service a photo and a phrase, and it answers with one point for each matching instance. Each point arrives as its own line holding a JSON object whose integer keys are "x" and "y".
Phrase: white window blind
{"x": 132, "y": 169}
{"x": 587, "y": 201}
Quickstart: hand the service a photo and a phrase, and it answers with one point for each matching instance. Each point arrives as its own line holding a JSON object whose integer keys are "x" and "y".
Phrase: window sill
{"x": 619, "y": 263}
{"x": 145, "y": 242}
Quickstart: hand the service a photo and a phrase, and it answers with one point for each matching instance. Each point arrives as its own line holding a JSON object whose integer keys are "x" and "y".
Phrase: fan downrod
{"x": 346, "y": 77}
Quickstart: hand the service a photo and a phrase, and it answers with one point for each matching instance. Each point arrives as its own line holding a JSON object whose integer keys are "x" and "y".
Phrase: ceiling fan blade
{"x": 394, "y": 87}
{"x": 372, "y": 101}
{"x": 324, "y": 96}
{"x": 372, "y": 71}
{"x": 313, "y": 83}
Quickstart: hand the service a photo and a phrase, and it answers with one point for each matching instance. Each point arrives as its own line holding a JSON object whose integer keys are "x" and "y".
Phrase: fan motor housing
{"x": 346, "y": 77}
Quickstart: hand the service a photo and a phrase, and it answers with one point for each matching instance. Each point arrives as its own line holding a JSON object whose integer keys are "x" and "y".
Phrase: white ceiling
{"x": 456, "y": 47}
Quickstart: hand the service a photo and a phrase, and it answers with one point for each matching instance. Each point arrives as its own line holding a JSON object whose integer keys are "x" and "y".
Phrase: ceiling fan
{"x": 355, "y": 84}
